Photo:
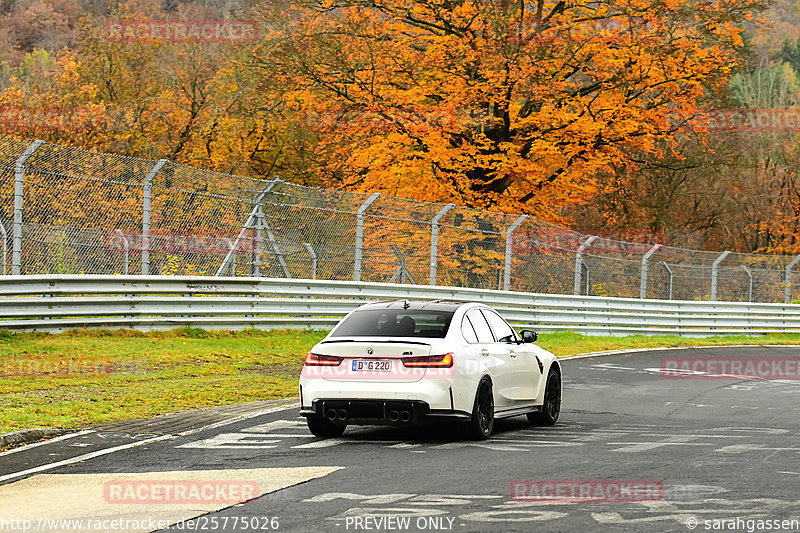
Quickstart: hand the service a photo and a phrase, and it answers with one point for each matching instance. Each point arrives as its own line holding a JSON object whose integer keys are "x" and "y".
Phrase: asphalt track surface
{"x": 725, "y": 452}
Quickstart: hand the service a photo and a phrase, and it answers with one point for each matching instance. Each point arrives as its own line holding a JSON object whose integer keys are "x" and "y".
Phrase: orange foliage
{"x": 518, "y": 106}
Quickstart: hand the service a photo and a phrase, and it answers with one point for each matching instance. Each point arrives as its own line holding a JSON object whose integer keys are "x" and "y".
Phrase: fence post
{"x": 435, "y": 241}
{"x": 750, "y": 284}
{"x": 360, "y": 234}
{"x": 5, "y": 245}
{"x": 313, "y": 255}
{"x": 579, "y": 262}
{"x": 715, "y": 273}
{"x": 402, "y": 272}
{"x": 258, "y": 241}
{"x": 645, "y": 258}
{"x": 147, "y": 198}
{"x": 588, "y": 273}
{"x": 261, "y": 224}
{"x": 232, "y": 253}
{"x": 125, "y": 248}
{"x": 251, "y": 219}
{"x": 509, "y": 245}
{"x": 788, "y": 280}
{"x": 669, "y": 272}
{"x": 19, "y": 182}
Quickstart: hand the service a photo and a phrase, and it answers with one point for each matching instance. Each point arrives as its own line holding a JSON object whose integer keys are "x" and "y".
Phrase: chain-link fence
{"x": 69, "y": 211}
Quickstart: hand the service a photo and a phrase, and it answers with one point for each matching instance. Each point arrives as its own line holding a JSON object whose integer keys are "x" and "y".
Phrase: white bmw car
{"x": 407, "y": 362}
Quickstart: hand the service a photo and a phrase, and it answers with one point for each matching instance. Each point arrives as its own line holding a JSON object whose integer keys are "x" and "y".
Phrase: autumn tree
{"x": 767, "y": 167}
{"x": 489, "y": 103}
{"x": 189, "y": 101}
{"x": 47, "y": 98}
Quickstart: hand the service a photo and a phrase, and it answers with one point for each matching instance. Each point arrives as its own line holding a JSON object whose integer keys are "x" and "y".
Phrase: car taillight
{"x": 315, "y": 359}
{"x": 441, "y": 361}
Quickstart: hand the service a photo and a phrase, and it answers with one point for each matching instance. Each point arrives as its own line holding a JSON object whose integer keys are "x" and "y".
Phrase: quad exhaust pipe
{"x": 400, "y": 416}
{"x": 333, "y": 414}
{"x": 341, "y": 415}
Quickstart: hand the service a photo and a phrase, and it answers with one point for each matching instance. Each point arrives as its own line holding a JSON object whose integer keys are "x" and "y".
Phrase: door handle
{"x": 512, "y": 353}
{"x": 485, "y": 352}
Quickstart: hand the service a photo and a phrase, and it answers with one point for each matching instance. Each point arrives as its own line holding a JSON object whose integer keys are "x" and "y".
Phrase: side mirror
{"x": 528, "y": 336}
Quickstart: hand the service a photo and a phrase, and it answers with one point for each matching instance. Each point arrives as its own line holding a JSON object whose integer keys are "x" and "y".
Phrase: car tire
{"x": 481, "y": 424}
{"x": 322, "y": 427}
{"x": 551, "y": 407}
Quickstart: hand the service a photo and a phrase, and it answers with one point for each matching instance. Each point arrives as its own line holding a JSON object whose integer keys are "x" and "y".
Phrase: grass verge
{"x": 79, "y": 378}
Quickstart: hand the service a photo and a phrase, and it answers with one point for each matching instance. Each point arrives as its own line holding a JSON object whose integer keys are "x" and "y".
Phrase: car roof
{"x": 430, "y": 305}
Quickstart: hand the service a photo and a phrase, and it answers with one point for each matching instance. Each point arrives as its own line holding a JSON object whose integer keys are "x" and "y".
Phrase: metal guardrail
{"x": 61, "y": 302}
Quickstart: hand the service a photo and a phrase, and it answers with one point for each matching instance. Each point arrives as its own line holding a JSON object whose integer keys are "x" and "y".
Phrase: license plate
{"x": 372, "y": 366}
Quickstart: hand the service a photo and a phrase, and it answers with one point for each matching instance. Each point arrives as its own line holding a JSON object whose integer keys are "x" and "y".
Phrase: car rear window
{"x": 395, "y": 323}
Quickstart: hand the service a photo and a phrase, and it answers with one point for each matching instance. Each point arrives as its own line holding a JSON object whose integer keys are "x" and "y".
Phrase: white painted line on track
{"x": 538, "y": 442}
{"x": 80, "y": 458}
{"x": 277, "y": 424}
{"x": 617, "y": 352}
{"x": 239, "y": 419}
{"x": 285, "y": 435}
{"x": 71, "y": 502}
{"x": 233, "y": 440}
{"x": 669, "y": 348}
{"x": 47, "y": 441}
{"x": 322, "y": 443}
{"x": 99, "y": 453}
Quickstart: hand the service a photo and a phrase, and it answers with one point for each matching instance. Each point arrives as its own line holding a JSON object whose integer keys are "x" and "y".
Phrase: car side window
{"x": 481, "y": 326}
{"x": 468, "y": 331}
{"x": 502, "y": 331}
